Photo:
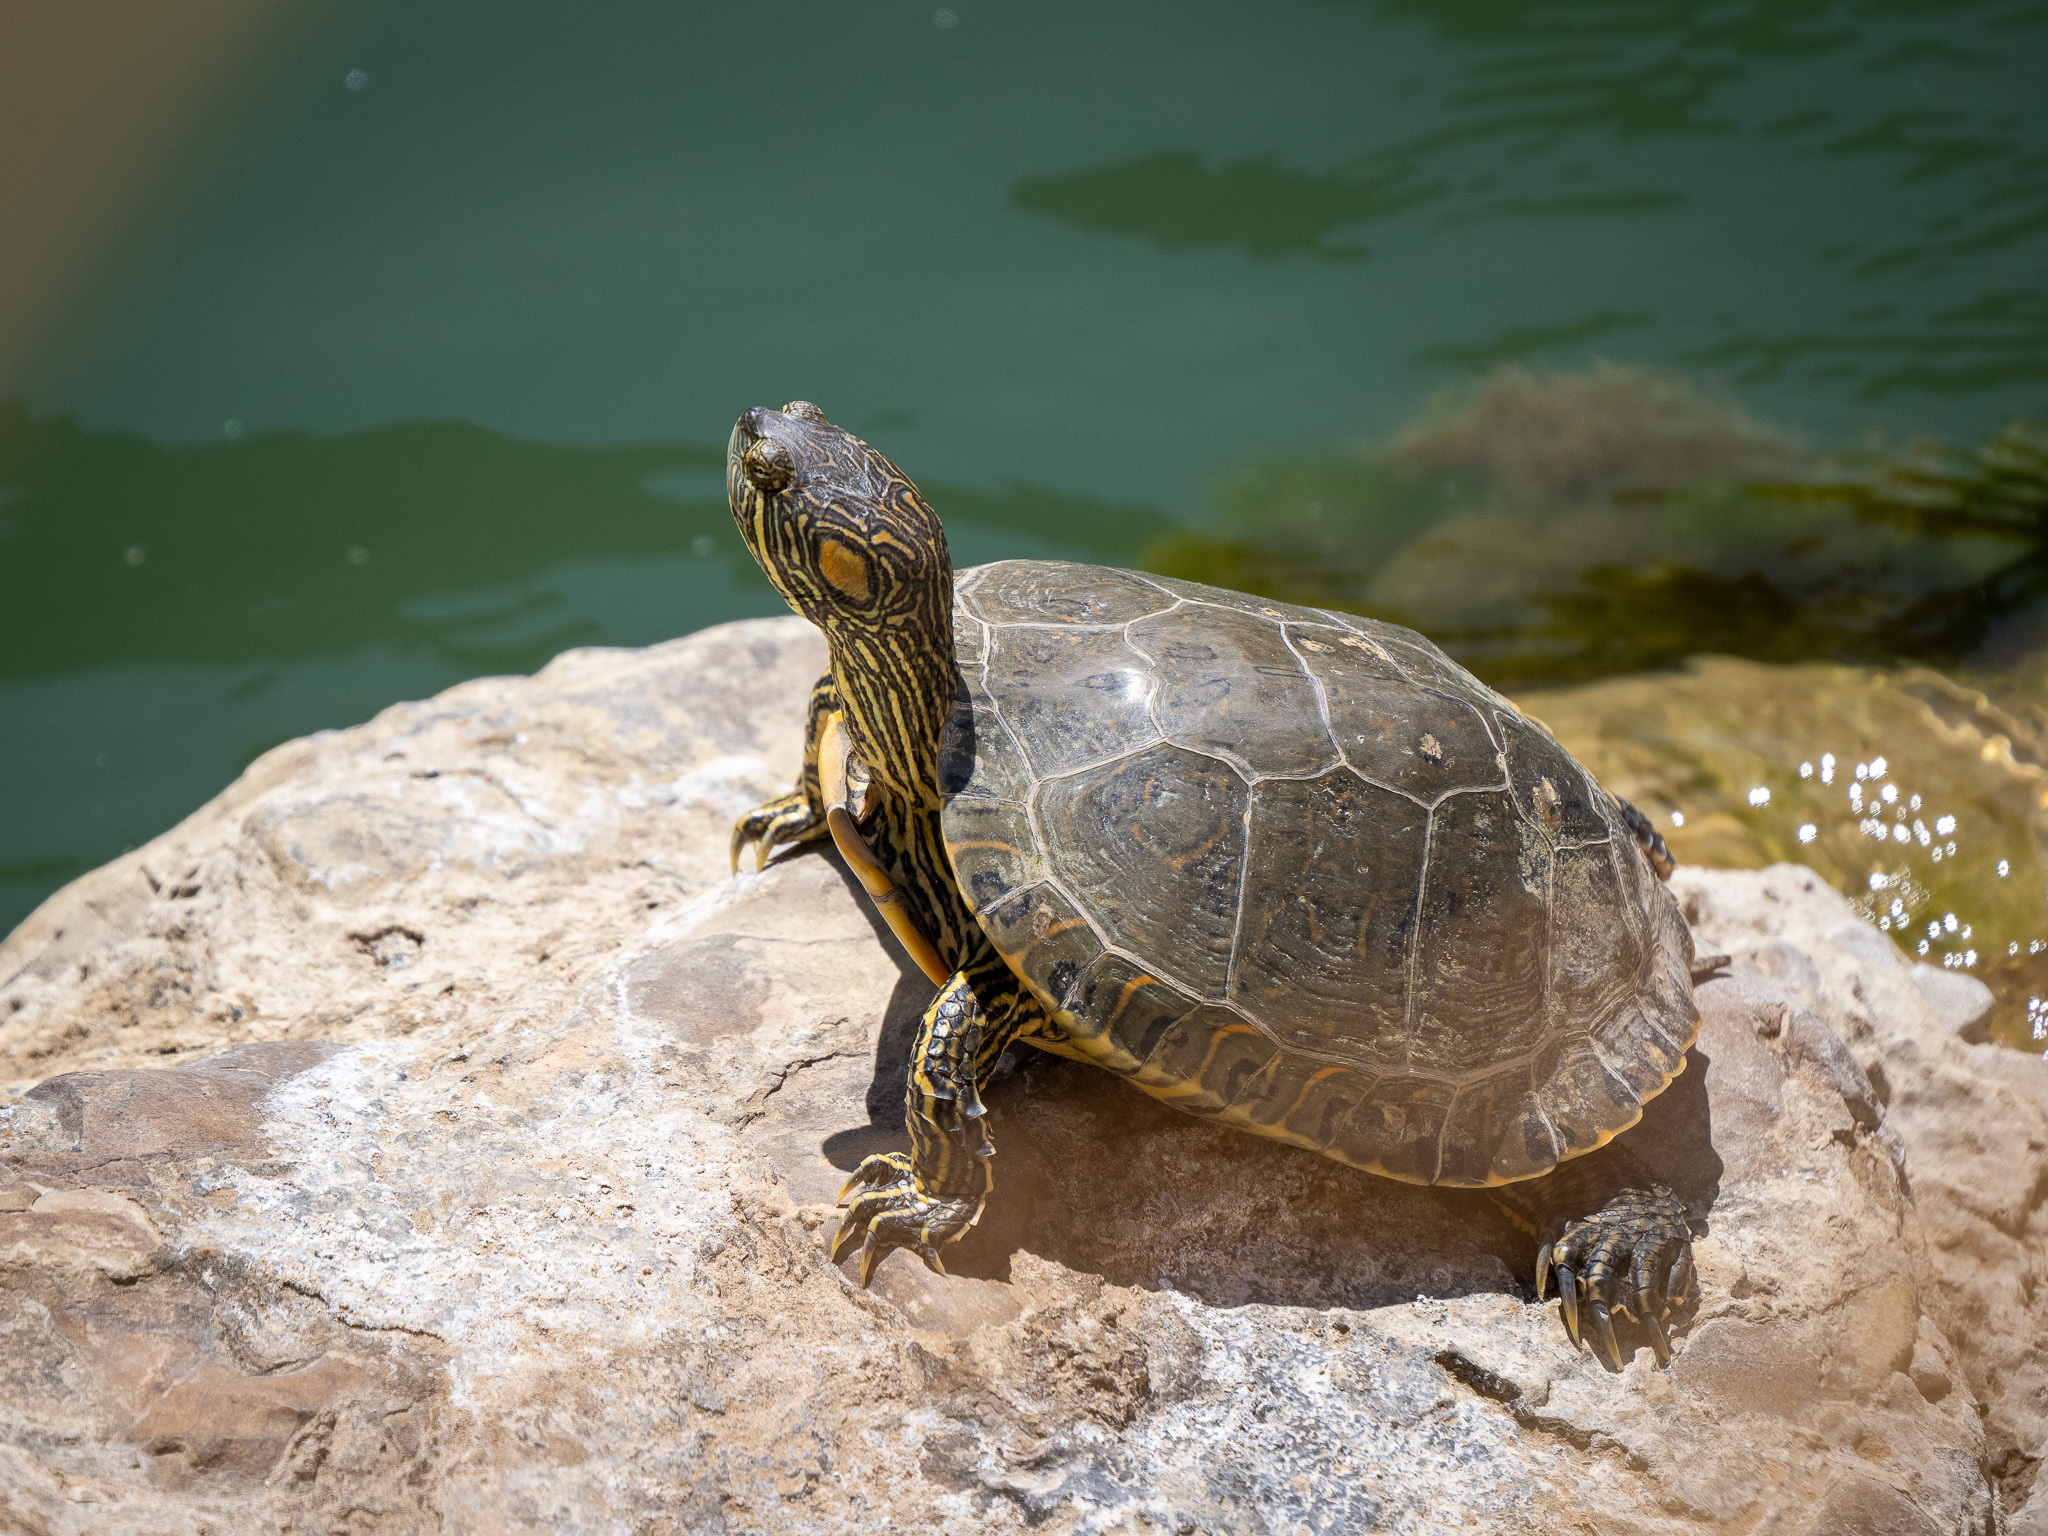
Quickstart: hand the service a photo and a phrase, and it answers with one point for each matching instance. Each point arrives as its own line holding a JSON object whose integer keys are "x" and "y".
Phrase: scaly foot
{"x": 894, "y": 1213}
{"x": 1632, "y": 1259}
{"x": 787, "y": 818}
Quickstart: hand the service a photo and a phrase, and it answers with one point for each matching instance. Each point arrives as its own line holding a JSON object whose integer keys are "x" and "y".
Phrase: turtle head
{"x": 839, "y": 530}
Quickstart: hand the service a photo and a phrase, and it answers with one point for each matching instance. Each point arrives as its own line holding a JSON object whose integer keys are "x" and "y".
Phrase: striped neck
{"x": 896, "y": 681}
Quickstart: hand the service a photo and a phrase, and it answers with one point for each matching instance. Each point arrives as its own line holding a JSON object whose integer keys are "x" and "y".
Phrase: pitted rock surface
{"x": 429, "y": 1136}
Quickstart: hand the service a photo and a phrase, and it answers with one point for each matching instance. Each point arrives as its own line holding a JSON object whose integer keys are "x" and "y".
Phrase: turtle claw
{"x": 1568, "y": 1298}
{"x": 1704, "y": 967}
{"x": 1679, "y": 1287}
{"x": 789, "y": 818}
{"x": 891, "y": 1211}
{"x": 1631, "y": 1259}
{"x": 1660, "y": 1342}
{"x": 877, "y": 1168}
{"x": 1604, "y": 1344}
{"x": 843, "y": 1239}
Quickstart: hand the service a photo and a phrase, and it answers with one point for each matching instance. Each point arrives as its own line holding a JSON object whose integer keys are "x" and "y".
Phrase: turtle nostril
{"x": 756, "y": 421}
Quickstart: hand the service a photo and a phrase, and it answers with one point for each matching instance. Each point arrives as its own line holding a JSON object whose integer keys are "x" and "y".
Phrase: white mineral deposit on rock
{"x": 428, "y": 1134}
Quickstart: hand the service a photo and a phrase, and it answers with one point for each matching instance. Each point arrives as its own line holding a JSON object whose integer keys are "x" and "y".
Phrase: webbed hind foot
{"x": 1631, "y": 1259}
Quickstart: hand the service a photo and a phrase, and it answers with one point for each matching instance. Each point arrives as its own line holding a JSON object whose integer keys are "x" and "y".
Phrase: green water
{"x": 375, "y": 389}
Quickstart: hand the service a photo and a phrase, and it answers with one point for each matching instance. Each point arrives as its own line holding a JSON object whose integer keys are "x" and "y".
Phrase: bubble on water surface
{"x": 942, "y": 17}
{"x": 135, "y": 554}
{"x": 355, "y": 79}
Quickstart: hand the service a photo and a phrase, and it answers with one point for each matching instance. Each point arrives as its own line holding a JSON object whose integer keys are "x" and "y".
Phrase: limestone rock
{"x": 1960, "y": 1001}
{"x": 429, "y": 1134}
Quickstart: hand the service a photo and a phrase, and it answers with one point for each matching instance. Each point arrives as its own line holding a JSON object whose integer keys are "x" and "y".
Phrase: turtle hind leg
{"x": 932, "y": 1195}
{"x": 1663, "y": 863}
{"x": 1617, "y": 1244}
{"x": 1649, "y": 840}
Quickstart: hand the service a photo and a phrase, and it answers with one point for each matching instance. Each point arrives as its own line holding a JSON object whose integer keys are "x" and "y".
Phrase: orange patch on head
{"x": 844, "y": 569}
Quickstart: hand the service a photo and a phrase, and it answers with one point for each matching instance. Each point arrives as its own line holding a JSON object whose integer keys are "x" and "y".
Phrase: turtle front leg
{"x": 935, "y": 1194}
{"x": 1616, "y": 1242}
{"x": 799, "y": 816}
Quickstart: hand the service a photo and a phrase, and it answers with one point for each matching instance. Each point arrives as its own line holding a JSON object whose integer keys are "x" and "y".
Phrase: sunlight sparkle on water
{"x": 1931, "y": 910}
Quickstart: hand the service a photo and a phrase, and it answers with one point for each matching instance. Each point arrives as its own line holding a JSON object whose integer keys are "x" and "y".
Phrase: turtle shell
{"x": 1300, "y": 871}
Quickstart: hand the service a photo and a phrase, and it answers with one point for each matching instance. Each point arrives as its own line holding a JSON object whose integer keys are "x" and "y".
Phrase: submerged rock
{"x": 429, "y": 1135}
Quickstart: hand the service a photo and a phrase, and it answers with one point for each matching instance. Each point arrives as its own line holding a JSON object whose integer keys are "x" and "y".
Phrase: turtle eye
{"x": 768, "y": 465}
{"x": 803, "y": 410}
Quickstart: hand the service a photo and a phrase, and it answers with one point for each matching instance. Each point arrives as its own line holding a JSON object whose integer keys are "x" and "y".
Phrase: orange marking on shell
{"x": 1201, "y": 1073}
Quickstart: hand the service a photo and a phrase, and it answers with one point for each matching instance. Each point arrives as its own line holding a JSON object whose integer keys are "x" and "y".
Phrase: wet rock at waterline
{"x": 1924, "y": 798}
{"x": 428, "y": 1135}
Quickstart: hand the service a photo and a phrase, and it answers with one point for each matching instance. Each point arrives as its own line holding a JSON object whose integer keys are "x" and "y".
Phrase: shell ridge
{"x": 1322, "y": 696}
{"x": 1081, "y": 907}
{"x": 1349, "y": 622}
{"x": 1154, "y": 583}
{"x": 1549, "y": 941}
{"x": 1264, "y": 1075}
{"x": 1343, "y": 1121}
{"x": 1074, "y": 629}
{"x": 1152, "y": 682}
{"x": 1414, "y": 955}
{"x": 1244, "y": 879}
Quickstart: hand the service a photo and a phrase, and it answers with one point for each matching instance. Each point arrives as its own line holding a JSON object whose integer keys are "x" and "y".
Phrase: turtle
{"x": 1286, "y": 868}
